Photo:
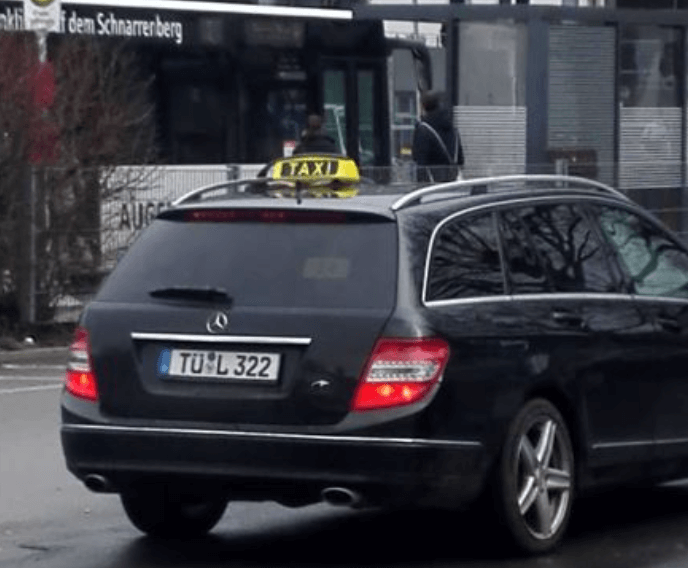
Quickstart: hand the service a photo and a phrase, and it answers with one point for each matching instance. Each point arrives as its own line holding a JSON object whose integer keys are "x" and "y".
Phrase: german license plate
{"x": 220, "y": 365}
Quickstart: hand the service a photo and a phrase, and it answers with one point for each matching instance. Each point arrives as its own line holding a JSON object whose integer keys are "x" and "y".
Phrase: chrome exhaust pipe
{"x": 341, "y": 496}
{"x": 97, "y": 483}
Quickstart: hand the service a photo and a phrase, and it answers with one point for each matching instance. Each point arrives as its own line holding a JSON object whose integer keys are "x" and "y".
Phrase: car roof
{"x": 387, "y": 200}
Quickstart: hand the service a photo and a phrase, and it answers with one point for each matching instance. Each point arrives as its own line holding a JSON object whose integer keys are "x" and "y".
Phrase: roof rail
{"x": 198, "y": 192}
{"x": 484, "y": 184}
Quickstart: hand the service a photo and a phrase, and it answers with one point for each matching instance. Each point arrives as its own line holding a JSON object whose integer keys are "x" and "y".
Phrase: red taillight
{"x": 400, "y": 371}
{"x": 81, "y": 380}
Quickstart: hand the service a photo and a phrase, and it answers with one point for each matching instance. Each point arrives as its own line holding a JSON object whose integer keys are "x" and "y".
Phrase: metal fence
{"x": 133, "y": 196}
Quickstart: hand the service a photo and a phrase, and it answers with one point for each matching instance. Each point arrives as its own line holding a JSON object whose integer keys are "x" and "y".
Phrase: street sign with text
{"x": 43, "y": 15}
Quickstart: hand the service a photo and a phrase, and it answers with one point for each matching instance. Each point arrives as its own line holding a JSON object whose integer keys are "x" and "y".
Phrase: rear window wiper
{"x": 205, "y": 294}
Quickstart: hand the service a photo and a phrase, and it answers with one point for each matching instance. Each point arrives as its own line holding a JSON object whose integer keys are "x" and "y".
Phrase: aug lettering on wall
{"x": 135, "y": 216}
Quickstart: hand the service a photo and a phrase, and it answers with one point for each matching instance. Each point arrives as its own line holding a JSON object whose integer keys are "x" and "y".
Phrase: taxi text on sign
{"x": 316, "y": 168}
{"x": 42, "y": 15}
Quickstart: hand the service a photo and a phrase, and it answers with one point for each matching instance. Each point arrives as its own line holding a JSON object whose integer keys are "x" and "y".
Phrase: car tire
{"x": 164, "y": 513}
{"x": 534, "y": 485}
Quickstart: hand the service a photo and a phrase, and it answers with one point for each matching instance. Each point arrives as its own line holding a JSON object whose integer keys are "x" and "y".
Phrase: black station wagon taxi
{"x": 305, "y": 336}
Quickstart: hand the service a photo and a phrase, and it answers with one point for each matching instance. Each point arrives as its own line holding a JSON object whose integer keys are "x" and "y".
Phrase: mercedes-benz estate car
{"x": 513, "y": 341}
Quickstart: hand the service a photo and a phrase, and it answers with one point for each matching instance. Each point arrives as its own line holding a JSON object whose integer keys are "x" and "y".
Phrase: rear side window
{"x": 655, "y": 264}
{"x": 465, "y": 260}
{"x": 263, "y": 263}
{"x": 526, "y": 272}
{"x": 553, "y": 248}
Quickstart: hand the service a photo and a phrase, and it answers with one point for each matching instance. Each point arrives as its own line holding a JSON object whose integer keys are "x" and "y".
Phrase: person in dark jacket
{"x": 314, "y": 140}
{"x": 437, "y": 148}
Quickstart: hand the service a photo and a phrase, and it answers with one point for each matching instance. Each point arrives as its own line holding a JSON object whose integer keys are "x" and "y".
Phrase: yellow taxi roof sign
{"x": 316, "y": 168}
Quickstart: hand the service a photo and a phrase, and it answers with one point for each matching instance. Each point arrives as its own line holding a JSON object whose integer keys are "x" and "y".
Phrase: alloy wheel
{"x": 544, "y": 477}
{"x": 534, "y": 483}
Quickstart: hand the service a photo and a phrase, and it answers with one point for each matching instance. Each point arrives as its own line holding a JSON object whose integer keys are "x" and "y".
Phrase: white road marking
{"x": 51, "y": 378}
{"x": 29, "y": 389}
{"x": 31, "y": 366}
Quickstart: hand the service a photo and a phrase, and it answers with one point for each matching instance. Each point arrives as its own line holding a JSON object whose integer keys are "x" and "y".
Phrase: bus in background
{"x": 235, "y": 83}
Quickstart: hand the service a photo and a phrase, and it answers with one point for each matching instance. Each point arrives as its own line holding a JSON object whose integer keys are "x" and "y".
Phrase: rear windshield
{"x": 263, "y": 264}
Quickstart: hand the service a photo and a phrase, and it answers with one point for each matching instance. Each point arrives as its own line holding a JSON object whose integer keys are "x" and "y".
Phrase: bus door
{"x": 356, "y": 108}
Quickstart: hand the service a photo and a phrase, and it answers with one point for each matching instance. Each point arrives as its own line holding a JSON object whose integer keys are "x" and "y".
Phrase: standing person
{"x": 314, "y": 139}
{"x": 437, "y": 148}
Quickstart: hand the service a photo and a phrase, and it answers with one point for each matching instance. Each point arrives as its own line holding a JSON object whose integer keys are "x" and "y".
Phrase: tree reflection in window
{"x": 465, "y": 261}
{"x": 526, "y": 274}
{"x": 656, "y": 265}
{"x": 572, "y": 258}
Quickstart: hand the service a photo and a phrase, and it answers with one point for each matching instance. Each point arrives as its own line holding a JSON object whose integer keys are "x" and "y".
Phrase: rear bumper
{"x": 279, "y": 466}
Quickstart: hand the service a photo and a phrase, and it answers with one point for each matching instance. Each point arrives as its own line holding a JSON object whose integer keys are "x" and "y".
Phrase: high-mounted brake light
{"x": 264, "y": 216}
{"x": 81, "y": 380}
{"x": 400, "y": 372}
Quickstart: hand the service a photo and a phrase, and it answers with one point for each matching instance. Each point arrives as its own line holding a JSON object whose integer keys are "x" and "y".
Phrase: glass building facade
{"x": 594, "y": 92}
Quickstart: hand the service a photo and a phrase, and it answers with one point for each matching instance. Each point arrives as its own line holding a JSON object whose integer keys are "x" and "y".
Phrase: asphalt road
{"x": 49, "y": 520}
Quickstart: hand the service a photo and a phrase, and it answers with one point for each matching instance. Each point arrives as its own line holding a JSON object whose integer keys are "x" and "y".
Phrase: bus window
{"x": 335, "y": 107}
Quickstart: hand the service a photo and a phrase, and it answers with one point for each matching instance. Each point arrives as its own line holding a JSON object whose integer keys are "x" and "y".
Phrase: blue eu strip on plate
{"x": 164, "y": 362}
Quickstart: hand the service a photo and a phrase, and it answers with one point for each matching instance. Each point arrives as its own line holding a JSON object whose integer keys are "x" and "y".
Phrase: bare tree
{"x": 100, "y": 117}
{"x": 18, "y": 115}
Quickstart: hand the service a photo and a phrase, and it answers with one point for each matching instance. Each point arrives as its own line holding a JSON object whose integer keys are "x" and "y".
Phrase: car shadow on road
{"x": 629, "y": 529}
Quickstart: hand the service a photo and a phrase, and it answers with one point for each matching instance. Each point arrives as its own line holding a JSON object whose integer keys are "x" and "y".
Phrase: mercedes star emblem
{"x": 217, "y": 322}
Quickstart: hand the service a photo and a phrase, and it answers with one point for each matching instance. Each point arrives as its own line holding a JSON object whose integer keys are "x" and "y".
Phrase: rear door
{"x": 591, "y": 333}
{"x": 258, "y": 317}
{"x": 530, "y": 300}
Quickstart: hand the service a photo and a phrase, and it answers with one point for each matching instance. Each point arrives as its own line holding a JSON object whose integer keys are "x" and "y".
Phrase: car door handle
{"x": 669, "y": 324}
{"x": 568, "y": 318}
